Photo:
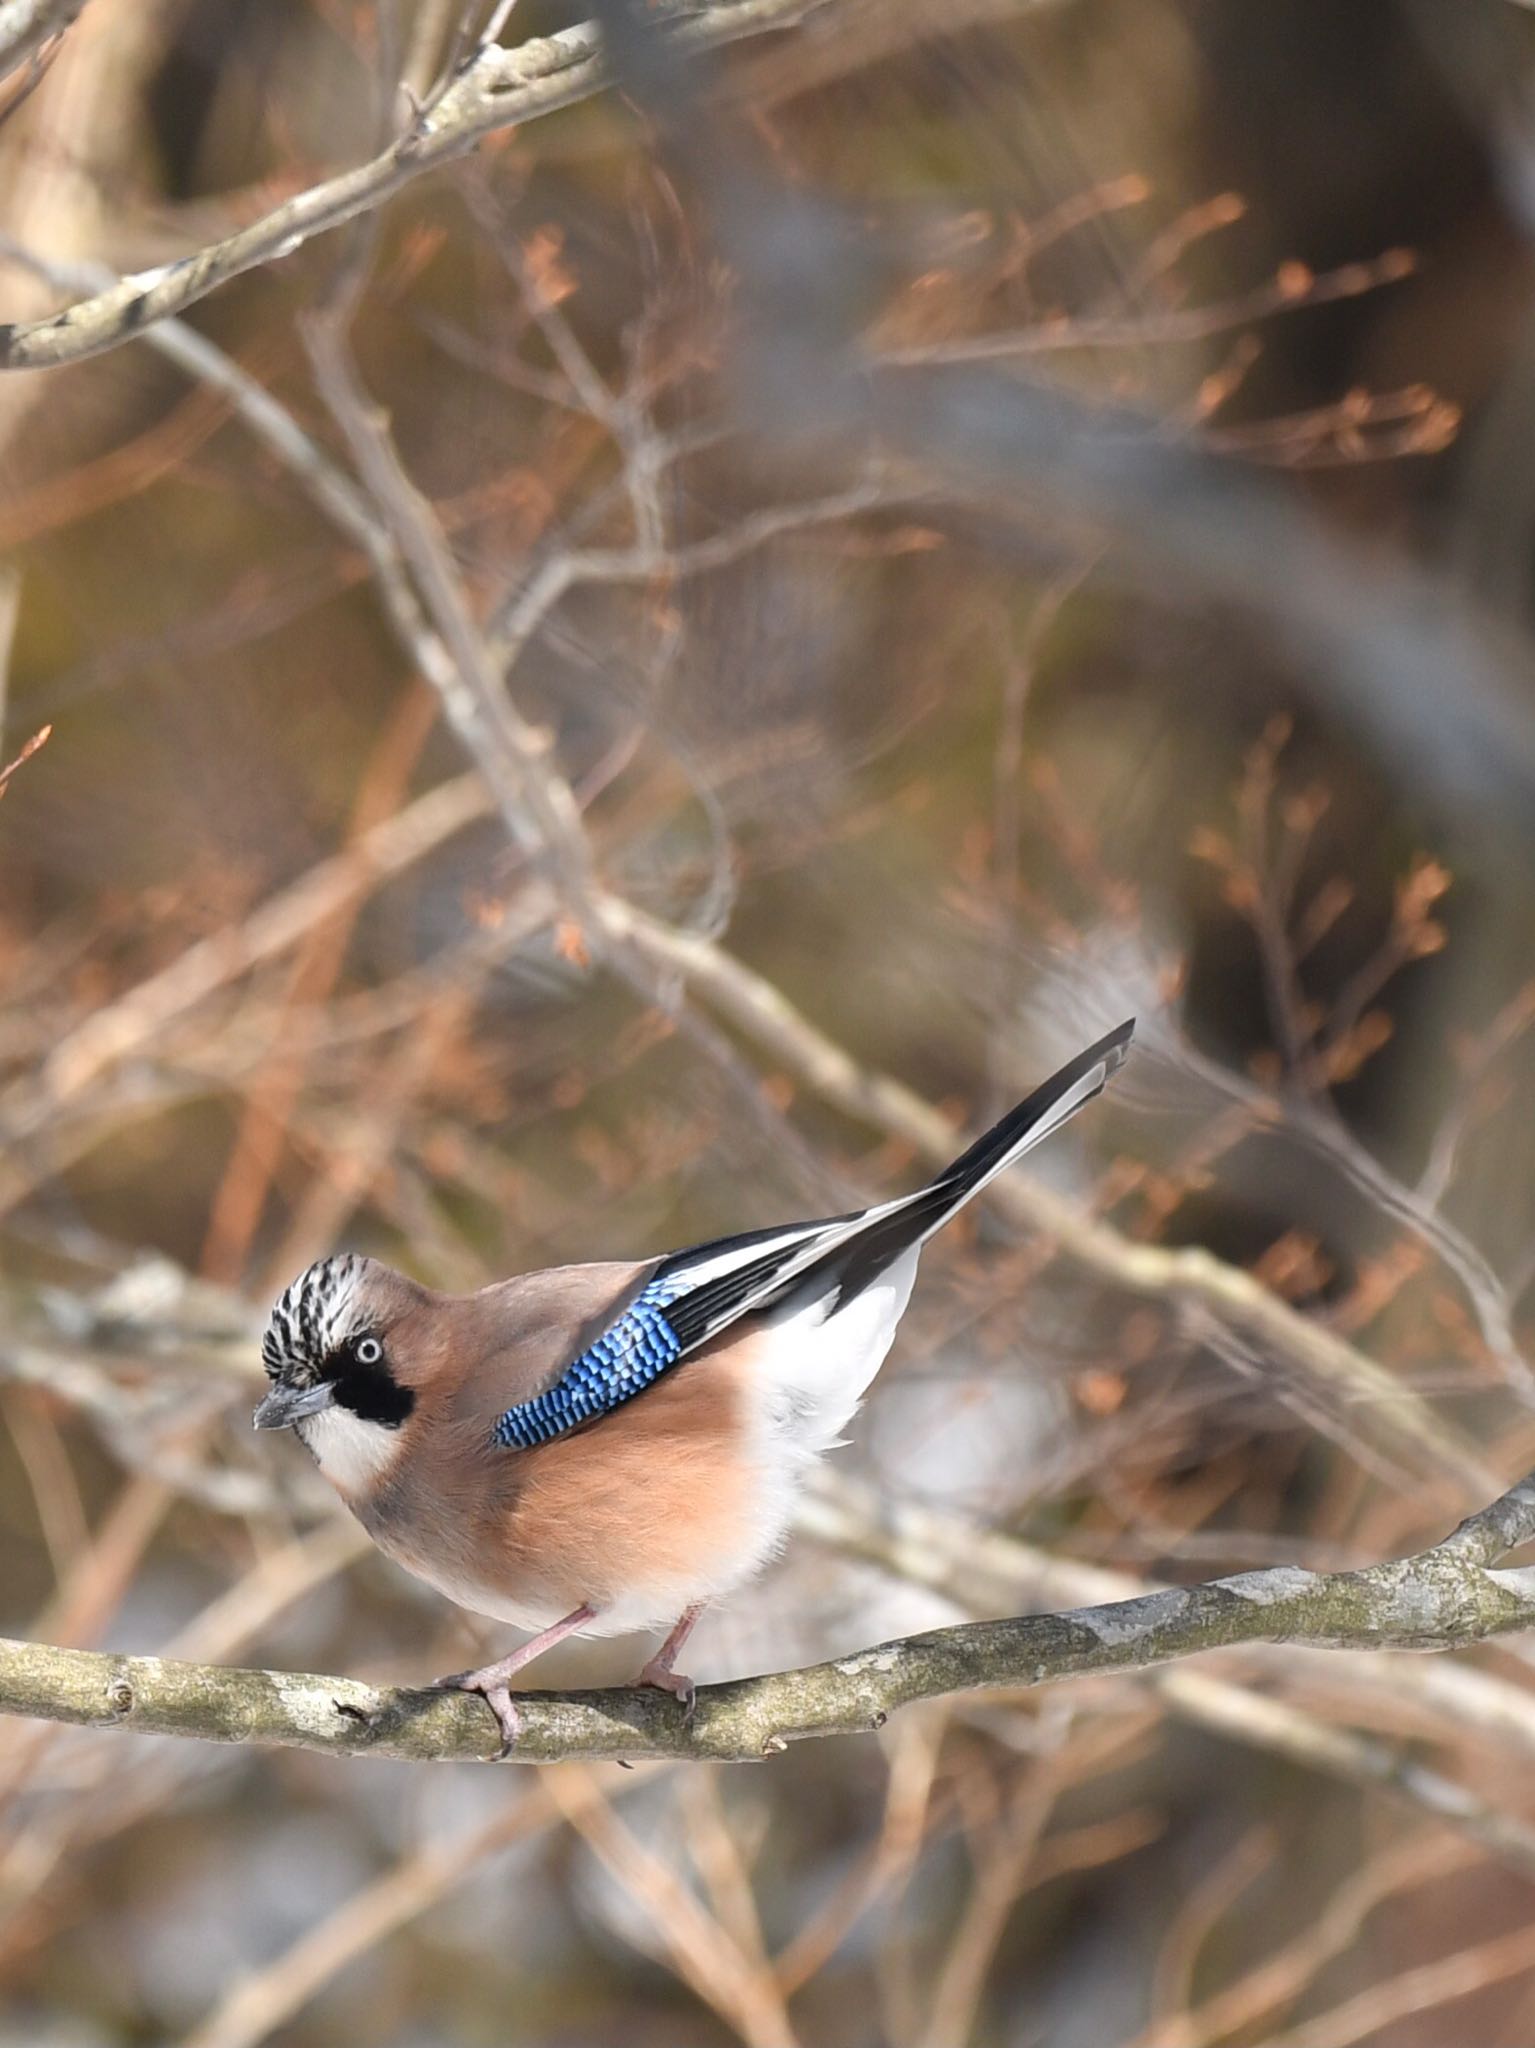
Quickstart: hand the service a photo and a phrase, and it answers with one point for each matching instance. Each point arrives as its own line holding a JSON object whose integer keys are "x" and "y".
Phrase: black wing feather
{"x": 832, "y": 1260}
{"x": 856, "y": 1254}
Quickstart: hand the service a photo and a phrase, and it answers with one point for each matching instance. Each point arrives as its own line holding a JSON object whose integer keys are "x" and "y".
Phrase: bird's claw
{"x": 496, "y": 1697}
{"x": 681, "y": 1689}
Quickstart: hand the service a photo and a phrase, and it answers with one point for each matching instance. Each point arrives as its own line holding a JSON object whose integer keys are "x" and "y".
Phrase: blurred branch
{"x": 1389, "y": 1411}
{"x": 25, "y": 25}
{"x": 1157, "y": 329}
{"x": 1450, "y": 1594}
{"x": 538, "y": 805}
{"x": 1273, "y": 1982}
{"x": 1384, "y": 634}
{"x": 1409, "y": 1994}
{"x": 38, "y": 739}
{"x": 429, "y": 610}
{"x": 1317, "y": 1126}
{"x": 736, "y": 1981}
{"x": 10, "y": 612}
{"x": 497, "y": 89}
{"x": 254, "y": 2006}
{"x": 125, "y": 1026}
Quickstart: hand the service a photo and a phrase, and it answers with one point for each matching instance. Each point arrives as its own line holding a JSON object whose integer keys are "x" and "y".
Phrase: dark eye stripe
{"x": 372, "y": 1394}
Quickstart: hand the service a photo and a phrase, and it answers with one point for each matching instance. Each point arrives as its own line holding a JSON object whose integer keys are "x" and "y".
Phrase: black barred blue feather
{"x": 621, "y": 1363}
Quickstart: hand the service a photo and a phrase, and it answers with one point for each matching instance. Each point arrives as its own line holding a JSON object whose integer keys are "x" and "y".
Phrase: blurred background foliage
{"x": 966, "y": 774}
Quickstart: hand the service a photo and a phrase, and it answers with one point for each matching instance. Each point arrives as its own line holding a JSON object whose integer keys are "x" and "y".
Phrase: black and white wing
{"x": 844, "y": 1254}
{"x": 822, "y": 1267}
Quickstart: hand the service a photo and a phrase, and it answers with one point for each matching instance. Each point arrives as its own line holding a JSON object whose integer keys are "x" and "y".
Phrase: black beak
{"x": 286, "y": 1405}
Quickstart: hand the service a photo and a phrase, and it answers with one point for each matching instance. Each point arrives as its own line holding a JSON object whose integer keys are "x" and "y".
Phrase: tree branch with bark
{"x": 1453, "y": 1593}
{"x": 497, "y": 89}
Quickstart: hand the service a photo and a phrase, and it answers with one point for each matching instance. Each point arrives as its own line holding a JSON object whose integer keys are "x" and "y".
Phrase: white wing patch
{"x": 730, "y": 1256}
{"x": 816, "y": 1367}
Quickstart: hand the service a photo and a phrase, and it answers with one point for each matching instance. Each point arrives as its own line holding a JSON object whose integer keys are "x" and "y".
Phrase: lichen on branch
{"x": 1450, "y": 1594}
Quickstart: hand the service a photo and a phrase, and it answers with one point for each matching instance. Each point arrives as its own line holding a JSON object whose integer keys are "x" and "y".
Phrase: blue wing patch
{"x": 624, "y": 1360}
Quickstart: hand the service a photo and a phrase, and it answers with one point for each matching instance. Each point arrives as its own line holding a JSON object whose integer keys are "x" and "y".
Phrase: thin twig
{"x": 39, "y": 739}
{"x": 499, "y": 89}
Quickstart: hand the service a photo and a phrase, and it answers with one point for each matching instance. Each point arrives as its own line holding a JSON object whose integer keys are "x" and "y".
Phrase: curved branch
{"x": 499, "y": 88}
{"x": 1441, "y": 1597}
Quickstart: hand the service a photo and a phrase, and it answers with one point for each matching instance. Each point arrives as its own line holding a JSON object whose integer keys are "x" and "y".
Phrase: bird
{"x": 613, "y": 1447}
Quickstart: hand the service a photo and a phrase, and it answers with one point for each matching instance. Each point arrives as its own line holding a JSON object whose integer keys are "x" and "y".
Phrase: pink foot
{"x": 491, "y": 1681}
{"x": 666, "y": 1680}
{"x": 496, "y": 1697}
{"x": 659, "y": 1672}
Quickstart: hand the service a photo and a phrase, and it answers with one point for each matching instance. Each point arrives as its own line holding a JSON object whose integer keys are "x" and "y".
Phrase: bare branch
{"x": 215, "y": 962}
{"x": 565, "y": 571}
{"x": 982, "y": 1570}
{"x": 38, "y": 739}
{"x": 537, "y": 803}
{"x": 1440, "y": 1598}
{"x": 1186, "y": 323}
{"x": 497, "y": 89}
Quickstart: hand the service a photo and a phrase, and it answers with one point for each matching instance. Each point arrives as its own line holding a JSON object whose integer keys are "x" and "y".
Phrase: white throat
{"x": 353, "y": 1454}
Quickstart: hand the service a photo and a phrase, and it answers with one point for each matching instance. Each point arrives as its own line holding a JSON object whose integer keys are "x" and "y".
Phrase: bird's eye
{"x": 369, "y": 1351}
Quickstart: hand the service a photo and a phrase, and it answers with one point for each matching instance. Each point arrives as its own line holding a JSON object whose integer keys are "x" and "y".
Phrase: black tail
{"x": 842, "y": 1255}
{"x": 893, "y": 1230}
{"x": 1033, "y": 1120}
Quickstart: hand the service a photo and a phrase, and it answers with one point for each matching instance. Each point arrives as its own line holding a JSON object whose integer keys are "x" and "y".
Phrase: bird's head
{"x": 332, "y": 1351}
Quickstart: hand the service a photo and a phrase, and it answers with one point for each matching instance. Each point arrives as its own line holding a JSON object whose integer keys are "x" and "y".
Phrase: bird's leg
{"x": 491, "y": 1680}
{"x": 659, "y": 1670}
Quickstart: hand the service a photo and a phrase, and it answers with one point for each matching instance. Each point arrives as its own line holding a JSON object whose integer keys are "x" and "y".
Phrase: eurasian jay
{"x": 612, "y": 1447}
